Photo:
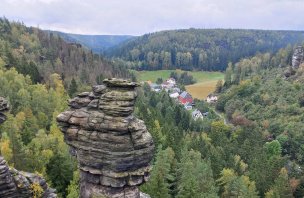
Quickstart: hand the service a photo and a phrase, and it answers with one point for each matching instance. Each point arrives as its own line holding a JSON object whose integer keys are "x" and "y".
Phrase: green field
{"x": 199, "y": 76}
{"x": 206, "y": 81}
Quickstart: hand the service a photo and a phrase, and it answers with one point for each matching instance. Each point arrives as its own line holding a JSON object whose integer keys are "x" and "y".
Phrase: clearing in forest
{"x": 205, "y": 81}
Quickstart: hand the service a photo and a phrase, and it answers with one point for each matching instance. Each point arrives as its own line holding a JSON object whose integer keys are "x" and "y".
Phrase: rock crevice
{"x": 113, "y": 148}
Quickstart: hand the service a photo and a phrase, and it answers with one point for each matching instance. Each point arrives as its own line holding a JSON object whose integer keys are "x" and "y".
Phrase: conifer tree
{"x": 161, "y": 177}
{"x": 195, "y": 177}
{"x": 281, "y": 187}
{"x": 73, "y": 88}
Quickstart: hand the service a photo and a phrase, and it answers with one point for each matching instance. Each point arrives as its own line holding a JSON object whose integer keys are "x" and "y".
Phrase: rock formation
{"x": 297, "y": 60}
{"x": 298, "y": 57}
{"x": 18, "y": 184}
{"x": 113, "y": 148}
{"x": 4, "y": 106}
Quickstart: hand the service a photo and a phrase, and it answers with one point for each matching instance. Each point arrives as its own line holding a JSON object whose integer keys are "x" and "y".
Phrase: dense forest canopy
{"x": 38, "y": 54}
{"x": 258, "y": 153}
{"x": 37, "y": 72}
{"x": 200, "y": 49}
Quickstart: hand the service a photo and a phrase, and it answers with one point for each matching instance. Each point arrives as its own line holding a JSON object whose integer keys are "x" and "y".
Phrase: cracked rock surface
{"x": 4, "y": 106}
{"x": 298, "y": 57}
{"x": 113, "y": 148}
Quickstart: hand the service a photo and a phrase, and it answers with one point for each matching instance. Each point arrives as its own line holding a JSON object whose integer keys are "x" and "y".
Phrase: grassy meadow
{"x": 205, "y": 81}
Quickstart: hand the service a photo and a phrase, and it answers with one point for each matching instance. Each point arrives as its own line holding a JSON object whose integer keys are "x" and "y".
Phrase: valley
{"x": 204, "y": 85}
{"x": 97, "y": 43}
{"x": 133, "y": 116}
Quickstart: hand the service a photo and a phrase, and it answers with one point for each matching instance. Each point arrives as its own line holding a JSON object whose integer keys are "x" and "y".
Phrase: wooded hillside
{"x": 201, "y": 49}
{"x": 38, "y": 54}
{"x": 98, "y": 43}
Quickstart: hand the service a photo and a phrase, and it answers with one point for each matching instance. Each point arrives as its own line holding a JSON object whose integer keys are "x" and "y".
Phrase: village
{"x": 182, "y": 97}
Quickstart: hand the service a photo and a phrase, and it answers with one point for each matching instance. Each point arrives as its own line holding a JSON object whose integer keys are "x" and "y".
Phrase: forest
{"x": 39, "y": 54}
{"x": 199, "y": 49}
{"x": 98, "y": 43}
{"x": 259, "y": 153}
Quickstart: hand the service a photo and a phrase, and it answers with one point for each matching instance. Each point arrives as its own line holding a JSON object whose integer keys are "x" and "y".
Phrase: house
{"x": 185, "y": 97}
{"x": 171, "y": 81}
{"x": 155, "y": 87}
{"x": 174, "y": 95}
{"x": 211, "y": 98}
{"x": 188, "y": 106}
{"x": 176, "y": 89}
{"x": 167, "y": 86}
{"x": 196, "y": 114}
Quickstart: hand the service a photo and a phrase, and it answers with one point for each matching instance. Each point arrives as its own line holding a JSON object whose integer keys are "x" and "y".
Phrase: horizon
{"x": 287, "y": 30}
{"x": 136, "y": 17}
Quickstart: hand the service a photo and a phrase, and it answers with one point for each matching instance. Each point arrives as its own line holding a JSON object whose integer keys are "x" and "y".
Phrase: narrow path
{"x": 222, "y": 117}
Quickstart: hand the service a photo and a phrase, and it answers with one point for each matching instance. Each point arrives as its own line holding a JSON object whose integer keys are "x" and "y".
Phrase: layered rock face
{"x": 113, "y": 148}
{"x": 298, "y": 57}
{"x": 4, "y": 106}
{"x": 18, "y": 184}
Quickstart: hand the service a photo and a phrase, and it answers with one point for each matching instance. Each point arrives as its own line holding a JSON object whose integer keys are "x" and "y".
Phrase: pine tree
{"x": 60, "y": 171}
{"x": 237, "y": 186}
{"x": 99, "y": 79}
{"x": 219, "y": 86}
{"x": 11, "y": 128}
{"x": 161, "y": 177}
{"x": 281, "y": 187}
{"x": 73, "y": 189}
{"x": 228, "y": 75}
{"x": 73, "y": 88}
{"x": 196, "y": 177}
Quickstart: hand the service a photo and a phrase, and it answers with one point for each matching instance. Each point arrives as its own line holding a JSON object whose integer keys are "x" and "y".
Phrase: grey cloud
{"x": 142, "y": 16}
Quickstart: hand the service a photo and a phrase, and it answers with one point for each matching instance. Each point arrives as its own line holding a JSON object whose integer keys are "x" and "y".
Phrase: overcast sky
{"x": 136, "y": 17}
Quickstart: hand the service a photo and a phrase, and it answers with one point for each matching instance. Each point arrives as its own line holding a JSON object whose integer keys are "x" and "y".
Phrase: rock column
{"x": 297, "y": 57}
{"x": 113, "y": 148}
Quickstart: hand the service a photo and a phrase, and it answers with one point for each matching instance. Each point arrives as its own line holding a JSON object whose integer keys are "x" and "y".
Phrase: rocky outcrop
{"x": 18, "y": 184}
{"x": 297, "y": 60}
{"x": 113, "y": 148}
{"x": 298, "y": 57}
{"x": 4, "y": 106}
{"x": 144, "y": 195}
{"x": 289, "y": 71}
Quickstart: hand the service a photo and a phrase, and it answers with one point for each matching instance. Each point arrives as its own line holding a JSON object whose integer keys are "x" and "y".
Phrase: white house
{"x": 171, "y": 81}
{"x": 174, "y": 95}
{"x": 211, "y": 98}
{"x": 155, "y": 87}
{"x": 196, "y": 114}
{"x": 169, "y": 84}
